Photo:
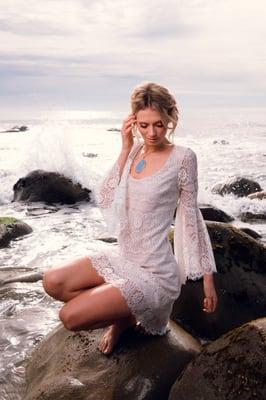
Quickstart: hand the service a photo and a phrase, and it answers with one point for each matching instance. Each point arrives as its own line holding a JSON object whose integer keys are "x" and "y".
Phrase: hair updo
{"x": 157, "y": 97}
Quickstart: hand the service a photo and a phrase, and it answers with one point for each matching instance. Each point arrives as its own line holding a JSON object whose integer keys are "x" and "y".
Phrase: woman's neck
{"x": 152, "y": 148}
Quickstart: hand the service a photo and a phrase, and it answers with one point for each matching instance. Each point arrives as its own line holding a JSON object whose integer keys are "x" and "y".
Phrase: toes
{"x": 108, "y": 348}
{"x": 102, "y": 344}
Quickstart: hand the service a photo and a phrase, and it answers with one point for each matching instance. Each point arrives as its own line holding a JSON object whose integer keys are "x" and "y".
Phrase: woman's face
{"x": 150, "y": 125}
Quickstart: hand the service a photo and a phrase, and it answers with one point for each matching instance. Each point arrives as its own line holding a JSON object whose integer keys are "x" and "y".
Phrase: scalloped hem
{"x": 106, "y": 272}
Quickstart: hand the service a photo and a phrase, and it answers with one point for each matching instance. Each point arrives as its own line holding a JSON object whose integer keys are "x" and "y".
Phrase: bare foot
{"x": 111, "y": 337}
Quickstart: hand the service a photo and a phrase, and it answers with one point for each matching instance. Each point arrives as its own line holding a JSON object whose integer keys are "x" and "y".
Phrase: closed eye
{"x": 159, "y": 125}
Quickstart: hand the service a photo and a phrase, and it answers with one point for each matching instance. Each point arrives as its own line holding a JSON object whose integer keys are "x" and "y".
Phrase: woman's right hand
{"x": 126, "y": 132}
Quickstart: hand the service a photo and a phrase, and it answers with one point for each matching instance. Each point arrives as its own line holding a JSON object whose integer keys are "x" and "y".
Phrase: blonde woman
{"x": 136, "y": 282}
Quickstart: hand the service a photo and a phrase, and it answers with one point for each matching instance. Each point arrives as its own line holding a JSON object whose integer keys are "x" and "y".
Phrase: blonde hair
{"x": 153, "y": 95}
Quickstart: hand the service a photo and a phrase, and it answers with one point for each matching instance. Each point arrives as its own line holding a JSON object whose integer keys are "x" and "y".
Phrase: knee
{"x": 53, "y": 283}
{"x": 68, "y": 319}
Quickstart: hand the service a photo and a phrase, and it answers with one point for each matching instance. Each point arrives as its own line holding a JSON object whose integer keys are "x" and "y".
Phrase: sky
{"x": 78, "y": 54}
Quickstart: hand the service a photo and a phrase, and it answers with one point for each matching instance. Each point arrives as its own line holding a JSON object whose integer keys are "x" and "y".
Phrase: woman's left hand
{"x": 210, "y": 299}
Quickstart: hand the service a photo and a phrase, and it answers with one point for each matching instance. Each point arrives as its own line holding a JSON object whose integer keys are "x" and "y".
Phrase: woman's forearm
{"x": 208, "y": 277}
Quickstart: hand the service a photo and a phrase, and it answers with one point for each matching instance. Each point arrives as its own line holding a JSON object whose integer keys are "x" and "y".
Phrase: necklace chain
{"x": 141, "y": 164}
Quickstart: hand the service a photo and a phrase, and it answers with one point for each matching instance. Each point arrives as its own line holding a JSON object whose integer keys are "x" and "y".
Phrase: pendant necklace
{"x": 142, "y": 163}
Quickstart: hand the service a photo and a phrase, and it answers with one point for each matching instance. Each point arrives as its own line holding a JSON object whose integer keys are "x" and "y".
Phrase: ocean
{"x": 80, "y": 145}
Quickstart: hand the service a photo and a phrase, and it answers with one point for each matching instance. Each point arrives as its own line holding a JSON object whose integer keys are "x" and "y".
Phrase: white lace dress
{"x": 141, "y": 211}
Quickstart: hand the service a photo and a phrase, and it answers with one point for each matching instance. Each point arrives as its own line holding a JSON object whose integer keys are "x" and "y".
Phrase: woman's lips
{"x": 151, "y": 140}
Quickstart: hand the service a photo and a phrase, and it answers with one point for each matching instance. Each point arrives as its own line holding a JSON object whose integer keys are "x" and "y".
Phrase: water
{"x": 77, "y": 144}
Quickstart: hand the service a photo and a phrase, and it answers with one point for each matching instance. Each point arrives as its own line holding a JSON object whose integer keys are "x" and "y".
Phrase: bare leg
{"x": 99, "y": 307}
{"x": 64, "y": 282}
{"x": 69, "y": 281}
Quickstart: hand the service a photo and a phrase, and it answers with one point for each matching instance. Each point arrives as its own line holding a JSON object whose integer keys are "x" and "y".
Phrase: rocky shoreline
{"x": 184, "y": 364}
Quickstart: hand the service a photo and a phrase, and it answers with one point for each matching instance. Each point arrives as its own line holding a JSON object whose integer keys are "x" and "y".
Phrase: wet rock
{"x": 232, "y": 368}
{"x": 16, "y": 128}
{"x": 29, "y": 277}
{"x": 68, "y": 365}
{"x": 240, "y": 284}
{"x": 258, "y": 195}
{"x": 212, "y": 213}
{"x": 113, "y": 130}
{"x": 223, "y": 141}
{"x": 89, "y": 155}
{"x": 49, "y": 187}
{"x": 11, "y": 228}
{"x": 41, "y": 211}
{"x": 249, "y": 216}
{"x": 251, "y": 233}
{"x": 108, "y": 239}
{"x": 236, "y": 185}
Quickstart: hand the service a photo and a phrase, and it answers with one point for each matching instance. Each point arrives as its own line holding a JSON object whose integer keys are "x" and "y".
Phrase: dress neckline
{"x": 159, "y": 170}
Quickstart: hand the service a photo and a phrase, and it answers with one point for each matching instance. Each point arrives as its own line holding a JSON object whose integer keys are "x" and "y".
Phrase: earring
{"x": 171, "y": 137}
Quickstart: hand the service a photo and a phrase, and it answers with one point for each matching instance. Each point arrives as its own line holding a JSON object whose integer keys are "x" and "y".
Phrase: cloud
{"x": 79, "y": 50}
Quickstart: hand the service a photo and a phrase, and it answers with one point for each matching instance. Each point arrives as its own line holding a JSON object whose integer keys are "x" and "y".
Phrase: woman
{"x": 137, "y": 282}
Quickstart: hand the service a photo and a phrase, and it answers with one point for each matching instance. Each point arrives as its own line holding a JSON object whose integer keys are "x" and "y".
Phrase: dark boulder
{"x": 249, "y": 216}
{"x": 240, "y": 284}
{"x": 251, "y": 233}
{"x": 49, "y": 187}
{"x": 238, "y": 186}
{"x": 232, "y": 368}
{"x": 16, "y": 128}
{"x": 211, "y": 213}
{"x": 11, "y": 228}
{"x": 68, "y": 366}
{"x": 223, "y": 141}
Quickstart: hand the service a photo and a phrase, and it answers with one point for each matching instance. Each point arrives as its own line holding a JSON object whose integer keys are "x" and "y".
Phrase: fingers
{"x": 127, "y": 133}
{"x": 131, "y": 119}
{"x": 209, "y": 304}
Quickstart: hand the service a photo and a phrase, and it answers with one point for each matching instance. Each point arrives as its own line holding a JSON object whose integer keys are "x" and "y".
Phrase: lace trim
{"x": 105, "y": 195}
{"x": 134, "y": 297}
{"x": 192, "y": 242}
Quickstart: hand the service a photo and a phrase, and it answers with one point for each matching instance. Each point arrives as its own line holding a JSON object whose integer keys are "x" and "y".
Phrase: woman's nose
{"x": 151, "y": 131}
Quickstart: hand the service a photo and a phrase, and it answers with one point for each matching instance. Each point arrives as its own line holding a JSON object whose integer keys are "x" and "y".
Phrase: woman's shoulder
{"x": 185, "y": 151}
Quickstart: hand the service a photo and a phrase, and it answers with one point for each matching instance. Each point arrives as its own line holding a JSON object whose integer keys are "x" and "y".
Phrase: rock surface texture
{"x": 231, "y": 368}
{"x": 11, "y": 228}
{"x": 240, "y": 285}
{"x": 211, "y": 213}
{"x": 239, "y": 186}
{"x": 49, "y": 187}
{"x": 69, "y": 366}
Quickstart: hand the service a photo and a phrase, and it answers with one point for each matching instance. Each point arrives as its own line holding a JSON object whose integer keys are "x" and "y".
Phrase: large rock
{"x": 240, "y": 285}
{"x": 16, "y": 128}
{"x": 251, "y": 233}
{"x": 249, "y": 216}
{"x": 232, "y": 368}
{"x": 49, "y": 187}
{"x": 238, "y": 186}
{"x": 211, "y": 213}
{"x": 69, "y": 366}
{"x": 11, "y": 228}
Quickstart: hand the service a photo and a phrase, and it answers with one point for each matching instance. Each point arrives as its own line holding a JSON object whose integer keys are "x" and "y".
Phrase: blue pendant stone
{"x": 140, "y": 165}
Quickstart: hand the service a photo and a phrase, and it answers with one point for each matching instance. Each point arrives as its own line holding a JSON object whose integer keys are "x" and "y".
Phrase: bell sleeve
{"x": 192, "y": 245}
{"x": 111, "y": 194}
{"x": 106, "y": 193}
{"x": 106, "y": 189}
